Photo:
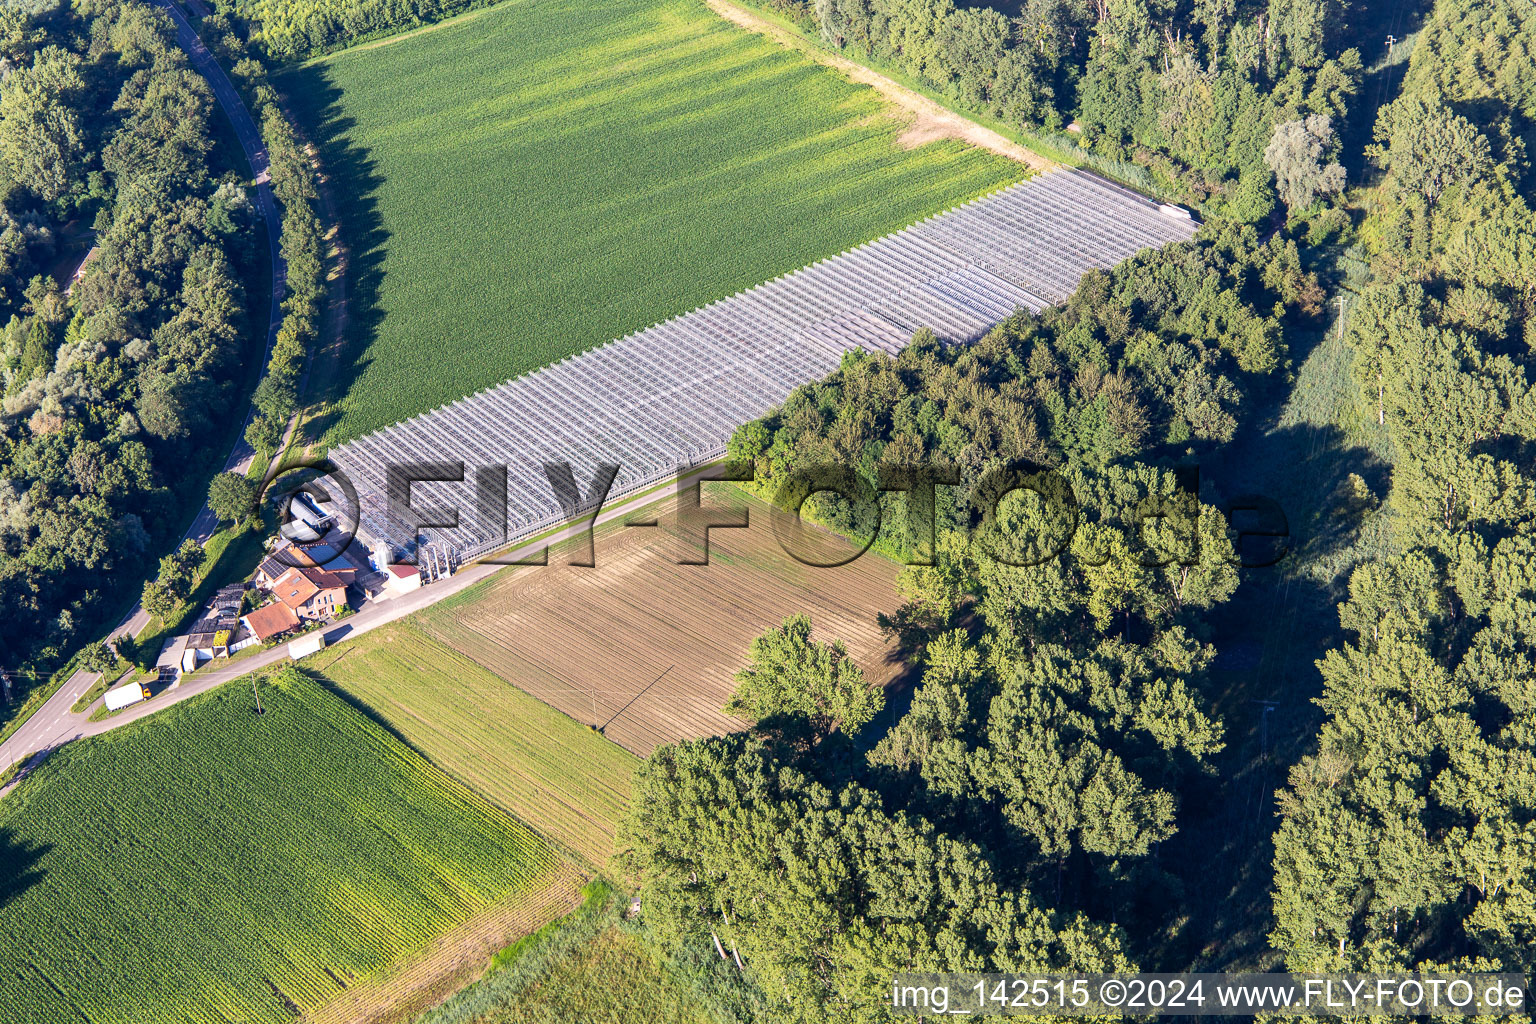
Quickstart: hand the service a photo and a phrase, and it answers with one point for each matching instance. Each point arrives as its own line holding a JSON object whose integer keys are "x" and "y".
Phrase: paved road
{"x": 53, "y": 732}
{"x": 53, "y": 718}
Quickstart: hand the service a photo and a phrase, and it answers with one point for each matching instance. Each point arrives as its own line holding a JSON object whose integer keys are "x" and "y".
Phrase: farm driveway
{"x": 931, "y": 121}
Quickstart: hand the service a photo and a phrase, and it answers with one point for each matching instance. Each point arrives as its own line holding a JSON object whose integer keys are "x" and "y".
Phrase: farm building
{"x": 226, "y": 601}
{"x": 172, "y": 652}
{"x": 209, "y": 638}
{"x": 271, "y": 620}
{"x": 311, "y": 555}
{"x": 402, "y": 579}
{"x": 313, "y": 593}
{"x": 393, "y": 581}
{"x": 217, "y": 633}
{"x": 271, "y": 567}
{"x": 670, "y": 396}
{"x": 307, "y": 518}
{"x": 284, "y": 557}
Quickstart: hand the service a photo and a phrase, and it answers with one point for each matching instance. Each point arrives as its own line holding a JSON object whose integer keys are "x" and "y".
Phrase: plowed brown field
{"x": 645, "y": 648}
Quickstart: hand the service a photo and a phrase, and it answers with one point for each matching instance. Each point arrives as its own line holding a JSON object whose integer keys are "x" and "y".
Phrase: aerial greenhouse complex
{"x": 669, "y": 397}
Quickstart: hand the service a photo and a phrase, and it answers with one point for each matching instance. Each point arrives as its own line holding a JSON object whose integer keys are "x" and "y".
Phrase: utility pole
{"x": 1391, "y": 41}
{"x": 257, "y": 695}
{"x": 1340, "y": 302}
{"x": 1267, "y": 706}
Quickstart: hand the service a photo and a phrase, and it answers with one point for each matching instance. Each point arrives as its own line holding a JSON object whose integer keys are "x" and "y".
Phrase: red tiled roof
{"x": 324, "y": 579}
{"x": 271, "y": 619}
{"x": 299, "y": 584}
{"x": 293, "y": 588}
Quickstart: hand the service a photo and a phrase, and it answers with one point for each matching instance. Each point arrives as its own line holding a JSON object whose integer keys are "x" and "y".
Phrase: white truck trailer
{"x": 306, "y": 645}
{"x": 120, "y": 697}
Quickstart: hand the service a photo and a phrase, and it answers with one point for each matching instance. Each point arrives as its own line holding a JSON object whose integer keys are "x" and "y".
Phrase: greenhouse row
{"x": 667, "y": 398}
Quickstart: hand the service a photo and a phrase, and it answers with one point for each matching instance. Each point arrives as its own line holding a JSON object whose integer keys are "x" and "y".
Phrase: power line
{"x": 636, "y": 697}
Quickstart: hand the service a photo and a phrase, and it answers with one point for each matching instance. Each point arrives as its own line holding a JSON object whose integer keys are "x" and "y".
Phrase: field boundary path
{"x": 47, "y": 722}
{"x": 454, "y": 959}
{"x": 931, "y": 121}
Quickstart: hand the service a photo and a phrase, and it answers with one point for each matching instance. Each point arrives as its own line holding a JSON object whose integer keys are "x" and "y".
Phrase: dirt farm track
{"x": 644, "y": 648}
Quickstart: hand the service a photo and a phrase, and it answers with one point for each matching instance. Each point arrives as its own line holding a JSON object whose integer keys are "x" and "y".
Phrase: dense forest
{"x": 1409, "y": 834}
{"x": 117, "y": 376}
{"x": 1013, "y": 816}
{"x": 289, "y": 29}
{"x": 1196, "y": 93}
{"x": 129, "y": 330}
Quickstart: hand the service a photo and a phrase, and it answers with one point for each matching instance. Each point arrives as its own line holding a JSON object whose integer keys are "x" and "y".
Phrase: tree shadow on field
{"x": 18, "y": 865}
{"x": 367, "y": 710}
{"x": 353, "y": 182}
{"x": 1269, "y": 636}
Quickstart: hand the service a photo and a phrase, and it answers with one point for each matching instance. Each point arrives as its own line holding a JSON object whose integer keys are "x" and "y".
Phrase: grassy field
{"x": 216, "y": 865}
{"x": 646, "y": 649}
{"x": 544, "y": 176}
{"x": 610, "y": 979}
{"x": 456, "y": 958}
{"x": 589, "y": 967}
{"x": 558, "y": 775}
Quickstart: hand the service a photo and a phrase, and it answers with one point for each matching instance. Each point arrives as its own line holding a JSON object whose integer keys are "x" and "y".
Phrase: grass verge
{"x": 592, "y": 966}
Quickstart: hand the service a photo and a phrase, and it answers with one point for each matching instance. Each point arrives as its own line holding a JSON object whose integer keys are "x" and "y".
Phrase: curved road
{"x": 54, "y": 723}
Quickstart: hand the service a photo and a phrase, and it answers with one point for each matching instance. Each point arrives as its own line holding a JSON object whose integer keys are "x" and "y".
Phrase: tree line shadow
{"x": 19, "y": 860}
{"x": 1264, "y": 683}
{"x": 353, "y": 182}
{"x": 1367, "y": 29}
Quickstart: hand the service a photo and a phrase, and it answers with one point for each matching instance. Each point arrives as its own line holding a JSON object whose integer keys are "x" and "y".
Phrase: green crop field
{"x": 210, "y": 864}
{"x": 546, "y": 175}
{"x": 589, "y": 967}
{"x": 547, "y": 769}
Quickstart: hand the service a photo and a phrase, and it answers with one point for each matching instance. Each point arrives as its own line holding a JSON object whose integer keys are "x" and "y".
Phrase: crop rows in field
{"x": 559, "y": 776}
{"x": 213, "y": 865}
{"x": 647, "y": 648}
{"x": 453, "y": 959}
{"x": 671, "y": 396}
{"x": 555, "y": 173}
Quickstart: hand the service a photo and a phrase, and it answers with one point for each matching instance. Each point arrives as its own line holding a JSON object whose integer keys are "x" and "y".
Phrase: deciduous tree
{"x": 790, "y": 676}
{"x": 1302, "y": 156}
